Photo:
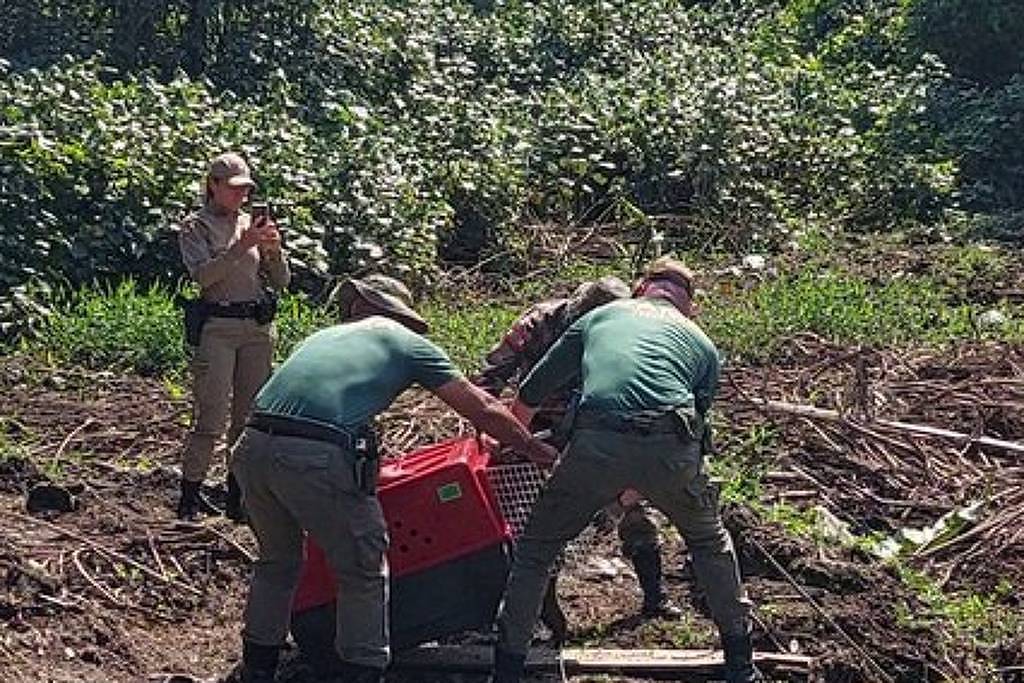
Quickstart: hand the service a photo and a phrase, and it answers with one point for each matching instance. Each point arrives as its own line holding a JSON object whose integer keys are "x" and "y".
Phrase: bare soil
{"x": 115, "y": 589}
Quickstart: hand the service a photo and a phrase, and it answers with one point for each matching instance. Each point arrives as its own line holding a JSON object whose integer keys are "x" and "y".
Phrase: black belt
{"x": 235, "y": 309}
{"x": 639, "y": 423}
{"x": 277, "y": 425}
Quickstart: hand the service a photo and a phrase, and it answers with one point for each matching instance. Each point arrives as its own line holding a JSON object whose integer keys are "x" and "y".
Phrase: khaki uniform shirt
{"x": 205, "y": 238}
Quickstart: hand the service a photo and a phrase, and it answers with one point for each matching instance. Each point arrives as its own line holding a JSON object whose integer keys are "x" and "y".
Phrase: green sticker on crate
{"x": 449, "y": 492}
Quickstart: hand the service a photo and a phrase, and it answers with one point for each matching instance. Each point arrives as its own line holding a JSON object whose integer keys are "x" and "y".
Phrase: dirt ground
{"x": 115, "y": 589}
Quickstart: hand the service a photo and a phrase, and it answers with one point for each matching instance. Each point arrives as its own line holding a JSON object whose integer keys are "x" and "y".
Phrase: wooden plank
{"x": 695, "y": 664}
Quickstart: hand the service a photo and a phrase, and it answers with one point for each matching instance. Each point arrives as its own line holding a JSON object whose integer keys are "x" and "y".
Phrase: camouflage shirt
{"x": 521, "y": 348}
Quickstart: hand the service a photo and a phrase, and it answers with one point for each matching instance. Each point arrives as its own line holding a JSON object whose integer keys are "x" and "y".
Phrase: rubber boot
{"x": 508, "y": 667}
{"x": 233, "y": 508}
{"x": 551, "y": 614}
{"x": 739, "y": 660}
{"x": 647, "y": 564}
{"x": 188, "y": 504}
{"x": 259, "y": 663}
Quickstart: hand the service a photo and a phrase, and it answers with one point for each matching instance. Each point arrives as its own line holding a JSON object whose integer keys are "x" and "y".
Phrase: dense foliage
{"x": 399, "y": 132}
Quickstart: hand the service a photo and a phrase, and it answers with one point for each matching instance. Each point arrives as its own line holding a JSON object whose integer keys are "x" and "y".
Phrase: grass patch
{"x": 14, "y": 442}
{"x": 135, "y": 329}
{"x": 844, "y": 308}
{"x": 741, "y": 461}
{"x": 686, "y": 632}
{"x": 296, "y": 319}
{"x": 128, "y": 328}
{"x": 468, "y": 332}
{"x": 982, "y": 619}
{"x": 124, "y": 328}
{"x": 131, "y": 329}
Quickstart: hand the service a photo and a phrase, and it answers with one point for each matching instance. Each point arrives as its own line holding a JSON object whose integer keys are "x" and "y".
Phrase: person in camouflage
{"x": 520, "y": 349}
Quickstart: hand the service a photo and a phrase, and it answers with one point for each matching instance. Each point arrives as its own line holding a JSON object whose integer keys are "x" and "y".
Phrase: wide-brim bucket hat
{"x": 384, "y": 293}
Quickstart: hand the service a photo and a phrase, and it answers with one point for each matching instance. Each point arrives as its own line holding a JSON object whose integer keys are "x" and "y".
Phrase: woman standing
{"x": 238, "y": 263}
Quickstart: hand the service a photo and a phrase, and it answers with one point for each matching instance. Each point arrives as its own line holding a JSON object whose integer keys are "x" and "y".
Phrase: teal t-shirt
{"x": 632, "y": 355}
{"x": 346, "y": 374}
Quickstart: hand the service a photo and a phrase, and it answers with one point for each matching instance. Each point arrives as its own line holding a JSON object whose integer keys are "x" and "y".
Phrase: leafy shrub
{"x": 392, "y": 133}
{"x": 980, "y": 40}
{"x": 972, "y": 115}
{"x": 97, "y": 171}
{"x": 986, "y": 128}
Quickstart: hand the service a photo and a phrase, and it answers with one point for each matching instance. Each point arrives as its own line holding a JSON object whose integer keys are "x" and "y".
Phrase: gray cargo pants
{"x": 290, "y": 484}
{"x": 668, "y": 470}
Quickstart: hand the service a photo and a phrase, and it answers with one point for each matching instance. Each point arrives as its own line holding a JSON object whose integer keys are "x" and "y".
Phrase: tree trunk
{"x": 195, "y": 38}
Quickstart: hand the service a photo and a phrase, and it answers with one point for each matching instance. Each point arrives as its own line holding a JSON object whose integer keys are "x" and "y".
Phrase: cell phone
{"x": 259, "y": 210}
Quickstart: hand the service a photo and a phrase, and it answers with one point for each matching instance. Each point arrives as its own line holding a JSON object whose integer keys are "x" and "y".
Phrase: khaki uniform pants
{"x": 230, "y": 365}
{"x": 668, "y": 470}
{"x": 290, "y": 485}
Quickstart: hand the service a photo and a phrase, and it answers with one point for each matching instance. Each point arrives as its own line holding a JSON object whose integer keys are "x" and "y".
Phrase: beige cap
{"x": 232, "y": 168}
{"x": 667, "y": 268}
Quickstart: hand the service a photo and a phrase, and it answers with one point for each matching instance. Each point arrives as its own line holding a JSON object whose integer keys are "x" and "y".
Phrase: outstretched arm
{"x": 489, "y": 415}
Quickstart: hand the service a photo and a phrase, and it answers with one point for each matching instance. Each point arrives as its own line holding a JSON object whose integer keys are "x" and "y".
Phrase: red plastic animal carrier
{"x": 449, "y": 544}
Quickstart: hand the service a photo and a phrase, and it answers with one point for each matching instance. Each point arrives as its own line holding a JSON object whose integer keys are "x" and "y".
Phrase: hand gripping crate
{"x": 449, "y": 545}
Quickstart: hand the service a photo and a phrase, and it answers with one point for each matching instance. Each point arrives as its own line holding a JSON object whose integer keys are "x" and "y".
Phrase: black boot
{"x": 739, "y": 660}
{"x": 551, "y": 614}
{"x": 188, "y": 504}
{"x": 313, "y": 631}
{"x": 259, "y": 663}
{"x": 647, "y": 563}
{"x": 347, "y": 672}
{"x": 233, "y": 508}
{"x": 508, "y": 667}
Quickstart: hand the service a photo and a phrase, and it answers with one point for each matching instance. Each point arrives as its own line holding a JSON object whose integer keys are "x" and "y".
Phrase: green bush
{"x": 980, "y": 40}
{"x": 98, "y": 171}
{"x": 986, "y": 128}
{"x": 394, "y": 133}
{"x": 968, "y": 125}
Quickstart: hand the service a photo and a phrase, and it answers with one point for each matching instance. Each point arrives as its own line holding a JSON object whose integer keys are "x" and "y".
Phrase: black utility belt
{"x": 198, "y": 311}
{"x": 360, "y": 441}
{"x": 236, "y": 309}
{"x": 360, "y": 444}
{"x": 641, "y": 423}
